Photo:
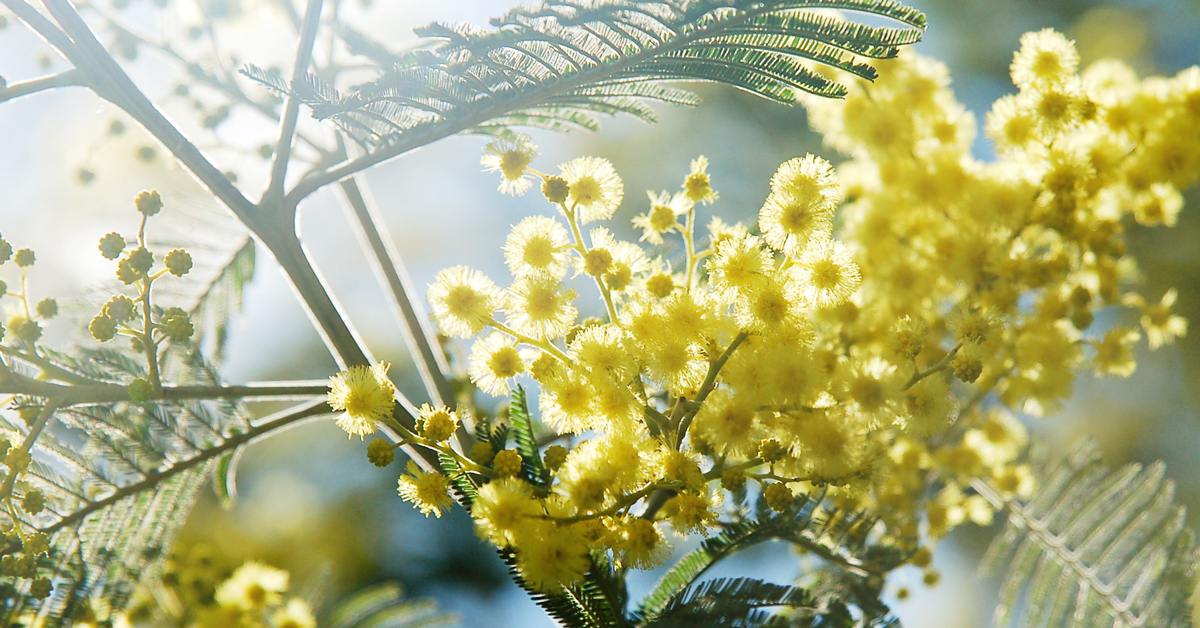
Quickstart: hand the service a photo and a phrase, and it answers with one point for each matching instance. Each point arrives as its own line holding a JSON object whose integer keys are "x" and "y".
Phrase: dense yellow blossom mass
{"x": 882, "y": 362}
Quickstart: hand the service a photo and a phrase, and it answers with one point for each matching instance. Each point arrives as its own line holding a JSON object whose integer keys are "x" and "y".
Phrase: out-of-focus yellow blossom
{"x": 295, "y": 614}
{"x": 253, "y": 586}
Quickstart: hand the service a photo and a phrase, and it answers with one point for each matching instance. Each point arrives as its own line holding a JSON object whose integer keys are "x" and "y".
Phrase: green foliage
{"x": 557, "y": 65}
{"x": 1094, "y": 548}
{"x": 526, "y": 438}
{"x": 107, "y": 530}
{"x": 384, "y": 606}
{"x": 733, "y": 602}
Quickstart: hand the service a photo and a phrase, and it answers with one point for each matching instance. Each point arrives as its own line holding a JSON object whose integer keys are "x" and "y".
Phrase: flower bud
{"x": 33, "y": 502}
{"x": 506, "y": 464}
{"x": 103, "y": 328}
{"x": 148, "y": 203}
{"x": 112, "y": 245}
{"x": 179, "y": 262}
{"x": 556, "y": 189}
{"x": 380, "y": 453}
{"x": 779, "y": 497}
{"x": 24, "y": 258}
{"x": 121, "y": 308}
{"x": 47, "y": 308}
{"x": 176, "y": 324}
{"x": 139, "y": 390}
{"x": 141, "y": 260}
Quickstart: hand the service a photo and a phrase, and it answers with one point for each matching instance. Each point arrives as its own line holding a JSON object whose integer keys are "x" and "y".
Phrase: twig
{"x": 710, "y": 382}
{"x": 291, "y": 107}
{"x": 389, "y": 269}
{"x": 69, "y": 78}
{"x": 35, "y": 430}
{"x": 936, "y": 368}
{"x": 42, "y": 26}
{"x": 108, "y": 393}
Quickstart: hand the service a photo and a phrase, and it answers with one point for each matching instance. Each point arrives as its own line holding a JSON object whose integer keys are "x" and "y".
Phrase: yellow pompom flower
{"x": 463, "y": 300}
{"x": 568, "y": 403}
{"x": 827, "y": 273}
{"x": 1010, "y": 126}
{"x": 1045, "y": 58}
{"x": 739, "y": 264}
{"x": 804, "y": 195}
{"x": 505, "y": 510}
{"x": 692, "y": 512}
{"x": 429, "y": 491}
{"x": 537, "y": 244}
{"x": 665, "y": 210}
{"x": 511, "y": 158}
{"x": 1114, "y": 352}
{"x": 539, "y": 306}
{"x": 599, "y": 259}
{"x": 641, "y": 544}
{"x": 601, "y": 350}
{"x": 1162, "y": 327}
{"x": 493, "y": 363}
{"x": 555, "y": 557}
{"x": 437, "y": 424}
{"x": 726, "y": 423}
{"x": 253, "y": 586}
{"x": 774, "y": 306}
{"x": 365, "y": 396}
{"x": 295, "y": 614}
{"x": 698, "y": 184}
{"x": 596, "y": 189}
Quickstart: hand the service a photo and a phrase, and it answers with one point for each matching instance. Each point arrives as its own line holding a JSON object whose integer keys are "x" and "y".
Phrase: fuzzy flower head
{"x": 665, "y": 210}
{"x": 595, "y": 188}
{"x": 253, "y": 586}
{"x": 804, "y": 195}
{"x": 493, "y": 363}
{"x": 463, "y": 300}
{"x": 557, "y": 557}
{"x": 537, "y": 244}
{"x": 506, "y": 511}
{"x": 295, "y": 614}
{"x": 539, "y": 306}
{"x": 827, "y": 274}
{"x": 365, "y": 396}
{"x": 1045, "y": 58}
{"x": 740, "y": 263}
{"x": 1162, "y": 326}
{"x": 511, "y": 158}
{"x": 429, "y": 491}
{"x": 698, "y": 185}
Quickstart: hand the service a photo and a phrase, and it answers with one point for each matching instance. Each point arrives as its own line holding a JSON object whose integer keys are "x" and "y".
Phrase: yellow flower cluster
{"x": 193, "y": 594}
{"x": 881, "y": 361}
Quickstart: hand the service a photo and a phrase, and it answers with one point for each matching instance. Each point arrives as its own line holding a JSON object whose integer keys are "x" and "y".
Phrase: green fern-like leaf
{"x": 384, "y": 606}
{"x": 1094, "y": 548}
{"x": 560, "y": 63}
{"x": 733, "y": 602}
{"x": 733, "y": 538}
{"x": 523, "y": 434}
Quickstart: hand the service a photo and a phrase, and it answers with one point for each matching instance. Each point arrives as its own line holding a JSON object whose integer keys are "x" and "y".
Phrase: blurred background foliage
{"x": 310, "y": 502}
